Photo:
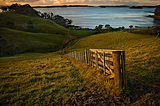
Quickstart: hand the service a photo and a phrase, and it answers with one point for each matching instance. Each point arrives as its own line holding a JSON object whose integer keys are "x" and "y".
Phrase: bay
{"x": 89, "y": 17}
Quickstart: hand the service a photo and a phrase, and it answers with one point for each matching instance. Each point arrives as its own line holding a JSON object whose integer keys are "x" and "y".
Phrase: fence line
{"x": 112, "y": 62}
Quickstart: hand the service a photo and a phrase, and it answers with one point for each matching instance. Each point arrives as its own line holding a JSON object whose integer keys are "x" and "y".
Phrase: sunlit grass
{"x": 37, "y": 81}
{"x": 51, "y": 79}
{"x": 44, "y": 79}
{"x": 142, "y": 59}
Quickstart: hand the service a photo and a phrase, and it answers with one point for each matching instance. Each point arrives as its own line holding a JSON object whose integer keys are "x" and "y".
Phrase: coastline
{"x": 153, "y": 16}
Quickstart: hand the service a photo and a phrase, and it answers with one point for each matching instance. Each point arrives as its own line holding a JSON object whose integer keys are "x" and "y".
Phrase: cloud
{"x": 31, "y": 2}
{"x": 86, "y": 2}
{"x": 150, "y": 2}
{"x": 101, "y": 2}
{"x": 20, "y": 0}
{"x": 126, "y": 2}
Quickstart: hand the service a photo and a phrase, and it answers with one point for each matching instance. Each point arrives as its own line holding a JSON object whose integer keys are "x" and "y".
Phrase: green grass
{"x": 36, "y": 42}
{"x": 81, "y": 32}
{"x": 112, "y": 40}
{"x": 41, "y": 79}
{"x": 49, "y": 79}
{"x": 45, "y": 36}
{"x": 142, "y": 60}
{"x": 40, "y": 25}
{"x": 85, "y": 32}
{"x": 145, "y": 31}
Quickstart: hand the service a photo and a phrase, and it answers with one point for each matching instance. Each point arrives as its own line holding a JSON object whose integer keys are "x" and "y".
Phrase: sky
{"x": 80, "y": 2}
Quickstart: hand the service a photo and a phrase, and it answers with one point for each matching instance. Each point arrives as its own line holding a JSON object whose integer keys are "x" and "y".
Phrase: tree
{"x": 13, "y": 7}
{"x": 45, "y": 15}
{"x": 62, "y": 21}
{"x": 24, "y": 9}
{"x": 52, "y": 16}
{"x": 131, "y": 26}
{"x": 28, "y": 10}
{"x": 100, "y": 27}
{"x": 108, "y": 27}
{"x": 122, "y": 27}
{"x": 96, "y": 28}
{"x": 68, "y": 22}
{"x": 42, "y": 15}
{"x": 4, "y": 8}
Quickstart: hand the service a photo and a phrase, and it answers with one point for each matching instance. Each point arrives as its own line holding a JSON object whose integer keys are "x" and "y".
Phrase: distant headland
{"x": 102, "y": 6}
{"x": 141, "y": 7}
{"x": 156, "y": 13}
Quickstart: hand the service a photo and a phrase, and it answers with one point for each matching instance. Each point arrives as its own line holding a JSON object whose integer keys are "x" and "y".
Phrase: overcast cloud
{"x": 78, "y": 2}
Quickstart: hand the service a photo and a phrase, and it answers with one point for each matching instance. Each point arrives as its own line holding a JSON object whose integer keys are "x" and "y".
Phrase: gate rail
{"x": 112, "y": 62}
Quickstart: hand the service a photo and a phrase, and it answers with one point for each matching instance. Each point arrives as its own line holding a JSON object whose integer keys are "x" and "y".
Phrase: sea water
{"x": 89, "y": 17}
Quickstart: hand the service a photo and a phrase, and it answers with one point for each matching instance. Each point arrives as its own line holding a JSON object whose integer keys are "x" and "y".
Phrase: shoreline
{"x": 153, "y": 16}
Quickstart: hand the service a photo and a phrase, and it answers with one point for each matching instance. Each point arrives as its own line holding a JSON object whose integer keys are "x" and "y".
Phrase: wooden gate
{"x": 112, "y": 62}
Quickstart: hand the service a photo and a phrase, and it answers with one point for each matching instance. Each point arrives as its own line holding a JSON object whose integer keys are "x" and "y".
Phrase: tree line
{"x": 30, "y": 11}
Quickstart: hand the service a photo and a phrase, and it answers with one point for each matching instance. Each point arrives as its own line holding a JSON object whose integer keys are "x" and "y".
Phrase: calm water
{"x": 89, "y": 17}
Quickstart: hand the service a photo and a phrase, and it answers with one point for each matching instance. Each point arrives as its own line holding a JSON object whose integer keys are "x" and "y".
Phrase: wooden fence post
{"x": 104, "y": 67}
{"x": 75, "y": 54}
{"x": 86, "y": 56}
{"x": 97, "y": 59}
{"x": 79, "y": 56}
{"x": 72, "y": 54}
{"x": 123, "y": 69}
{"x": 92, "y": 58}
{"x": 117, "y": 70}
{"x": 89, "y": 57}
{"x": 83, "y": 56}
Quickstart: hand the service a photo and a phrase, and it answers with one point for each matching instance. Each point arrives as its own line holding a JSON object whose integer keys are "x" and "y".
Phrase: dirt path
{"x": 69, "y": 38}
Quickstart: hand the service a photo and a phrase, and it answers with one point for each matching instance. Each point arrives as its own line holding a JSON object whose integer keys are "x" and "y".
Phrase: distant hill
{"x": 20, "y": 22}
{"x": 20, "y": 33}
{"x": 157, "y": 11}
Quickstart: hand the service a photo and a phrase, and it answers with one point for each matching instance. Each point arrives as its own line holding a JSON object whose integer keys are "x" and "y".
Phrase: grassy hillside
{"x": 113, "y": 40}
{"x": 25, "y": 41}
{"x": 81, "y": 32}
{"x": 17, "y": 36}
{"x": 142, "y": 61}
{"x": 146, "y": 31}
{"x": 40, "y": 25}
{"x": 49, "y": 79}
{"x": 44, "y": 79}
{"x": 36, "y": 79}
